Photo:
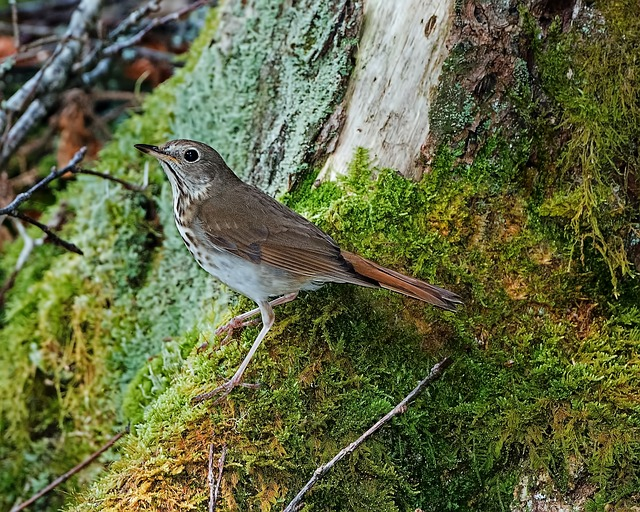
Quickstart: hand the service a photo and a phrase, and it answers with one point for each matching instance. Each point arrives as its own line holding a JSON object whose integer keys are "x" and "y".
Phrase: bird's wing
{"x": 256, "y": 227}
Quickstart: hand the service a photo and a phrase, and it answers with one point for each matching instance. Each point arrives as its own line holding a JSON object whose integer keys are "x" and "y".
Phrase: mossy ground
{"x": 545, "y": 378}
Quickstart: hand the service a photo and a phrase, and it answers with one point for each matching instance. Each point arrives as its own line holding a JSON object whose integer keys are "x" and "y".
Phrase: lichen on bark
{"x": 267, "y": 82}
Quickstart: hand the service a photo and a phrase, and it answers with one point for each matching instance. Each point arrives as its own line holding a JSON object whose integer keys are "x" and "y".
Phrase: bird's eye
{"x": 191, "y": 155}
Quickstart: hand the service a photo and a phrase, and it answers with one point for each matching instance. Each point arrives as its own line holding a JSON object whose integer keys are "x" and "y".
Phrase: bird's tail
{"x": 397, "y": 282}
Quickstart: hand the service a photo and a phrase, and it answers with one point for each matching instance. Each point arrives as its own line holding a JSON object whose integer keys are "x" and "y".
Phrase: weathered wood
{"x": 386, "y": 108}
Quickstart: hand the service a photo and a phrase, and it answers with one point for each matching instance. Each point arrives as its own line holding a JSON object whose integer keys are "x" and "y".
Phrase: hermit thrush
{"x": 258, "y": 246}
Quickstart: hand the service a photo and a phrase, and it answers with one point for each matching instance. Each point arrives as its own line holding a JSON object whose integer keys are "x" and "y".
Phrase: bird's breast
{"x": 258, "y": 281}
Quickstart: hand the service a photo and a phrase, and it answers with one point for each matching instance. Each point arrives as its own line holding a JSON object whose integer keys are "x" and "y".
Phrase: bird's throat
{"x": 185, "y": 193}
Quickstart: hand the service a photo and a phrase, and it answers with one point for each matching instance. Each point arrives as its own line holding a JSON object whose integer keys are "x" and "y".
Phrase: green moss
{"x": 590, "y": 77}
{"x": 76, "y": 329}
{"x": 154, "y": 377}
{"x": 102, "y": 339}
{"x": 539, "y": 383}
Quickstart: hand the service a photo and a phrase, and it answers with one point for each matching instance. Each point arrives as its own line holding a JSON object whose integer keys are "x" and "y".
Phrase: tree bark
{"x": 388, "y": 101}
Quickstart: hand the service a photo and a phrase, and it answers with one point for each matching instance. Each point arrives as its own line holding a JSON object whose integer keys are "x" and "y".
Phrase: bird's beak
{"x": 151, "y": 150}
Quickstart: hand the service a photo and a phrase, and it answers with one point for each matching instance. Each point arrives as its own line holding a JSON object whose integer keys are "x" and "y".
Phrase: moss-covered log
{"x": 541, "y": 405}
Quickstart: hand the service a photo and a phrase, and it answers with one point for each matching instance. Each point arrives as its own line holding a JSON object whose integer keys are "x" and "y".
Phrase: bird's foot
{"x": 222, "y": 391}
{"x": 236, "y": 322}
{"x": 227, "y": 329}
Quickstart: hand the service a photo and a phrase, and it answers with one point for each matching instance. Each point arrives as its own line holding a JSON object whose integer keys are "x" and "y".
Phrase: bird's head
{"x": 192, "y": 167}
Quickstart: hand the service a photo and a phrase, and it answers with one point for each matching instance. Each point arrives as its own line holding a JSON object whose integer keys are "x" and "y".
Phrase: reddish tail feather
{"x": 406, "y": 285}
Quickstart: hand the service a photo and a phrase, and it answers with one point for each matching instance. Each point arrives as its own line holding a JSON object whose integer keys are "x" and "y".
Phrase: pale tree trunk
{"x": 388, "y": 101}
{"x": 302, "y": 101}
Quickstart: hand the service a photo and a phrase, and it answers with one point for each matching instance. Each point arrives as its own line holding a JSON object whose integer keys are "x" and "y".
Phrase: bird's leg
{"x": 241, "y": 320}
{"x": 267, "y": 321}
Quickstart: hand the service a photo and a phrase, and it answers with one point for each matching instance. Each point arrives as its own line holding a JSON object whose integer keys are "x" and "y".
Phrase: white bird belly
{"x": 258, "y": 282}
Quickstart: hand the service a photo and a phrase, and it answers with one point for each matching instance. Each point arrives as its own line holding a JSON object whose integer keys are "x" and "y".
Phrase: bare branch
{"x": 50, "y": 234}
{"x": 125, "y": 184}
{"x": 134, "y": 18}
{"x": 36, "y": 110}
{"x": 434, "y": 374}
{"x": 54, "y": 76}
{"x": 70, "y": 473}
{"x": 101, "y": 68}
{"x": 10, "y": 209}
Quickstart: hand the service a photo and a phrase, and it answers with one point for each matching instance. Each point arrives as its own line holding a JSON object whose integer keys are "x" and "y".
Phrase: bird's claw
{"x": 233, "y": 324}
{"x": 222, "y": 391}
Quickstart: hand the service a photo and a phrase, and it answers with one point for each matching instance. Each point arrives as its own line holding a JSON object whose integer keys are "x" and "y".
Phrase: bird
{"x": 261, "y": 248}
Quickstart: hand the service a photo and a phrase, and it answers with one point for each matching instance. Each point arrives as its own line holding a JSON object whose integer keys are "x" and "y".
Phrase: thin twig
{"x": 26, "y": 29}
{"x": 14, "y": 22}
{"x": 27, "y": 248}
{"x": 211, "y": 480}
{"x": 70, "y": 473}
{"x": 156, "y": 55}
{"x": 117, "y": 47}
{"x": 50, "y": 234}
{"x": 72, "y": 167}
{"x": 434, "y": 374}
{"x": 55, "y": 173}
{"x": 29, "y": 244}
{"x": 30, "y": 50}
{"x": 223, "y": 456}
{"x": 12, "y": 208}
{"x": 214, "y": 484}
{"x": 48, "y": 39}
{"x": 135, "y": 17}
{"x": 125, "y": 184}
